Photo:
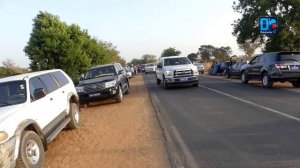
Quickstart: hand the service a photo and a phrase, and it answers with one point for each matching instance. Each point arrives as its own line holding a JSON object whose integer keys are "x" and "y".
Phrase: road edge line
{"x": 171, "y": 149}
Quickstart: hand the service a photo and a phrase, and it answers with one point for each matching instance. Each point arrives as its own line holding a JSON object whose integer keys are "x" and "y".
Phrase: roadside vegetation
{"x": 55, "y": 44}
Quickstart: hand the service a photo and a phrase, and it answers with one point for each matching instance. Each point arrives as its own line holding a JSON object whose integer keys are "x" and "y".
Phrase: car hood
{"x": 95, "y": 80}
{"x": 177, "y": 67}
{"x": 7, "y": 111}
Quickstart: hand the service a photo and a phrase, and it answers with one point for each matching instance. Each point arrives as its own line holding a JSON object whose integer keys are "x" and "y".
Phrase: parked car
{"x": 234, "y": 70}
{"x": 176, "y": 70}
{"x": 129, "y": 72}
{"x": 200, "y": 67}
{"x": 34, "y": 108}
{"x": 150, "y": 68}
{"x": 273, "y": 67}
{"x": 103, "y": 82}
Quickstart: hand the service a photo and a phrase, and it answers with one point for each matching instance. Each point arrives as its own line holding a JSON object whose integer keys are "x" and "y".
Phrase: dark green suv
{"x": 273, "y": 67}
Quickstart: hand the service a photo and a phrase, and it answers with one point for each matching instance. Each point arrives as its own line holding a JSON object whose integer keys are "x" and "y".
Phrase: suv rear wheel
{"x": 74, "y": 114}
{"x": 158, "y": 81}
{"x": 31, "y": 152}
{"x": 266, "y": 81}
{"x": 244, "y": 78}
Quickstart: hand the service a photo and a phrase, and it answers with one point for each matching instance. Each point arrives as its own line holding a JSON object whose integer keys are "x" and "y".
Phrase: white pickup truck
{"x": 176, "y": 70}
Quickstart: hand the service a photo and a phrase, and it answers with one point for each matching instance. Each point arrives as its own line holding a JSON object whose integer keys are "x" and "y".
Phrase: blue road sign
{"x": 268, "y": 25}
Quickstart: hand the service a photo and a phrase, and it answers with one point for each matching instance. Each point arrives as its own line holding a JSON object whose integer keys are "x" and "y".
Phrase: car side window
{"x": 254, "y": 60}
{"x": 60, "y": 78}
{"x": 35, "y": 83}
{"x": 49, "y": 82}
{"x": 262, "y": 59}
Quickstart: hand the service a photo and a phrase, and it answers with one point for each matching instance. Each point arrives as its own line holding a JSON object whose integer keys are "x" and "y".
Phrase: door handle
{"x": 63, "y": 91}
{"x": 51, "y": 99}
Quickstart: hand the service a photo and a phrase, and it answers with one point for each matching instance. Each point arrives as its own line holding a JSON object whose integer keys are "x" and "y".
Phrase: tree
{"x": 54, "y": 44}
{"x": 206, "y": 52}
{"x": 9, "y": 68}
{"x": 148, "y": 58}
{"x": 170, "y": 52}
{"x": 193, "y": 57}
{"x": 287, "y": 13}
{"x": 249, "y": 48}
{"x": 222, "y": 53}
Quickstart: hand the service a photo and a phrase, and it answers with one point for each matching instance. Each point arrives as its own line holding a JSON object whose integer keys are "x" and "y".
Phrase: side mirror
{"x": 159, "y": 66}
{"x": 121, "y": 72}
{"x": 81, "y": 77}
{"x": 39, "y": 93}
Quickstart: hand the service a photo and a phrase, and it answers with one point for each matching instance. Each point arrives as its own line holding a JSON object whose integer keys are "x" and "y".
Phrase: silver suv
{"x": 34, "y": 108}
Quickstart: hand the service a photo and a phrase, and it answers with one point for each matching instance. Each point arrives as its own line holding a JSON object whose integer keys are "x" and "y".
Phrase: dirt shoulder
{"x": 113, "y": 135}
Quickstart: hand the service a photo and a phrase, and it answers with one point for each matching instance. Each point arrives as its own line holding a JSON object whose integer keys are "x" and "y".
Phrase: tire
{"x": 244, "y": 78}
{"x": 266, "y": 81}
{"x": 196, "y": 85}
{"x": 119, "y": 98}
{"x": 227, "y": 74}
{"x": 127, "y": 89}
{"x": 31, "y": 151}
{"x": 165, "y": 85}
{"x": 158, "y": 81}
{"x": 74, "y": 114}
{"x": 296, "y": 84}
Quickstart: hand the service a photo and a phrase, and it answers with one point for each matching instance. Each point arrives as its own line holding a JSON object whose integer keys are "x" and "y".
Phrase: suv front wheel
{"x": 31, "y": 152}
{"x": 244, "y": 78}
{"x": 74, "y": 114}
{"x": 119, "y": 98}
{"x": 266, "y": 81}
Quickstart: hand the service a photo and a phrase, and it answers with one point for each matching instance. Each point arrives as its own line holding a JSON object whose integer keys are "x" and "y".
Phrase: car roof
{"x": 27, "y": 75}
{"x": 173, "y": 57}
{"x": 104, "y": 65}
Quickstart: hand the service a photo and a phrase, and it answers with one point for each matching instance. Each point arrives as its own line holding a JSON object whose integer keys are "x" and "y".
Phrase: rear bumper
{"x": 285, "y": 75}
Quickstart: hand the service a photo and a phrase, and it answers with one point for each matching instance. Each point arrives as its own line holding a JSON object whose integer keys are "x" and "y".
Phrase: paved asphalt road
{"x": 226, "y": 124}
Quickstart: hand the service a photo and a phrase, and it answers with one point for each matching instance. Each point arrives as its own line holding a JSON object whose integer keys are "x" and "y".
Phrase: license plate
{"x": 294, "y": 67}
{"x": 94, "y": 94}
{"x": 184, "y": 79}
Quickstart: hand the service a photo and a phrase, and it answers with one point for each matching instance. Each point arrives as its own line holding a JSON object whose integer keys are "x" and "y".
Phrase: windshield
{"x": 176, "y": 61}
{"x": 12, "y": 93}
{"x": 149, "y": 65}
{"x": 100, "y": 72}
{"x": 290, "y": 57}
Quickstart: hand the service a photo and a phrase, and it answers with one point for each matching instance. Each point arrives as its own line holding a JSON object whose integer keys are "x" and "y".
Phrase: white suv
{"x": 34, "y": 108}
{"x": 176, "y": 70}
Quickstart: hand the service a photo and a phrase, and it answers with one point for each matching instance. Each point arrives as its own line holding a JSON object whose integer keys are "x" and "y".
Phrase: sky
{"x": 135, "y": 27}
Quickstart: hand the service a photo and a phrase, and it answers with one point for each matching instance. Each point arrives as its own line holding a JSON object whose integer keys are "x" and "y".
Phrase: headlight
{"x": 196, "y": 72}
{"x": 3, "y": 136}
{"x": 169, "y": 73}
{"x": 110, "y": 84}
{"x": 79, "y": 89}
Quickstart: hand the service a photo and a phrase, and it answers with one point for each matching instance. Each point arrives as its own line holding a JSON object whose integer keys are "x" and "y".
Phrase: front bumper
{"x": 98, "y": 95}
{"x": 182, "y": 80}
{"x": 7, "y": 150}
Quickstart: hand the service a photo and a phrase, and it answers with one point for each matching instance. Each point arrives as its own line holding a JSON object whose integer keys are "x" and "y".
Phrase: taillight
{"x": 281, "y": 66}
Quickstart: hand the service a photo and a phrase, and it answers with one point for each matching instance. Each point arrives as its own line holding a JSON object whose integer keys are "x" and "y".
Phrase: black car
{"x": 103, "y": 82}
{"x": 234, "y": 70}
{"x": 273, "y": 67}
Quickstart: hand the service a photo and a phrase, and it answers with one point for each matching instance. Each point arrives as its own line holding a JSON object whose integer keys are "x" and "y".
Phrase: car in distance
{"x": 34, "y": 108}
{"x": 234, "y": 70}
{"x": 273, "y": 67}
{"x": 200, "y": 67}
{"x": 176, "y": 70}
{"x": 150, "y": 68}
{"x": 103, "y": 82}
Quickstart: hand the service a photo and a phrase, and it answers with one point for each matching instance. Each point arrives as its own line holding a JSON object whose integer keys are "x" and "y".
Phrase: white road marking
{"x": 254, "y": 104}
{"x": 189, "y": 156}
